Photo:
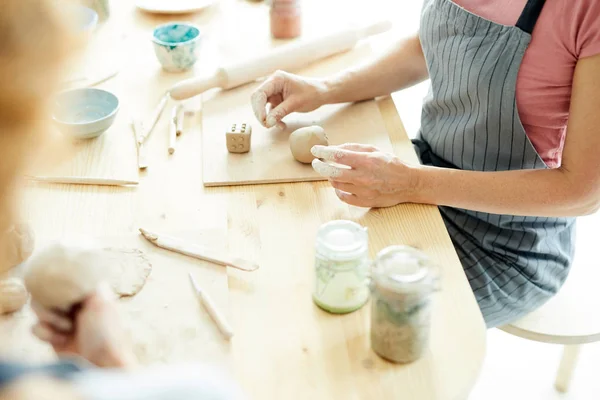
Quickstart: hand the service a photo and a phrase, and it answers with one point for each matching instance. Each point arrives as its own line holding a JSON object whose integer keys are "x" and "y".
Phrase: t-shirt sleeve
{"x": 63, "y": 369}
{"x": 160, "y": 382}
{"x": 587, "y": 20}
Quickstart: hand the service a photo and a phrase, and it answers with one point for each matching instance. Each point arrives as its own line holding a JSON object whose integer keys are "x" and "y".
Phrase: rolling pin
{"x": 287, "y": 57}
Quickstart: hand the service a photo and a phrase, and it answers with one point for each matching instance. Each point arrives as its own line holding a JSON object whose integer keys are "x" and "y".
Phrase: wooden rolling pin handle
{"x": 287, "y": 57}
{"x": 194, "y": 86}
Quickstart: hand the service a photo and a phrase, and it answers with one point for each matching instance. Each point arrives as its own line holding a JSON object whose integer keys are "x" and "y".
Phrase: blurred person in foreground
{"x": 96, "y": 360}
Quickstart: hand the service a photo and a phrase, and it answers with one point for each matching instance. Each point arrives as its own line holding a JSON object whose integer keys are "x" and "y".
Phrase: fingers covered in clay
{"x": 302, "y": 141}
{"x": 46, "y": 333}
{"x": 270, "y": 89}
{"x": 56, "y": 319}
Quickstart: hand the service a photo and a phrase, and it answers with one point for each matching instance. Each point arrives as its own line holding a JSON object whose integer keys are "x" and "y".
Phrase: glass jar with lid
{"x": 341, "y": 267}
{"x": 403, "y": 280}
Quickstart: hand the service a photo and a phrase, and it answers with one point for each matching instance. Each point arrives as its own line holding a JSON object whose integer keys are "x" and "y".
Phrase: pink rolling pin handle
{"x": 195, "y": 86}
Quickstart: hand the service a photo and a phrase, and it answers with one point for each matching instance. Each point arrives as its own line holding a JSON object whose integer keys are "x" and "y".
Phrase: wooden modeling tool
{"x": 141, "y": 148}
{"x": 180, "y": 119}
{"x": 148, "y": 126}
{"x": 212, "y": 310}
{"x": 143, "y": 130}
{"x": 197, "y": 251}
{"x": 75, "y": 180}
{"x": 103, "y": 78}
{"x": 288, "y": 57}
{"x": 173, "y": 129}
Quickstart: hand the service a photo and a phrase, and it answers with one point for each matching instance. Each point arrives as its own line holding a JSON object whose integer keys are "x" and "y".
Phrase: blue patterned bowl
{"x": 177, "y": 45}
{"x": 85, "y": 113}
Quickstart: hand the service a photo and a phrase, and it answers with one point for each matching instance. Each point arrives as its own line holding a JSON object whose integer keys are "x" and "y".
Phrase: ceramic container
{"x": 286, "y": 19}
{"x": 85, "y": 113}
{"x": 177, "y": 45}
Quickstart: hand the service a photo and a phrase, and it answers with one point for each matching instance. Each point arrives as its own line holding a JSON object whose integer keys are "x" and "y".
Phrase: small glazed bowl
{"x": 85, "y": 113}
{"x": 177, "y": 45}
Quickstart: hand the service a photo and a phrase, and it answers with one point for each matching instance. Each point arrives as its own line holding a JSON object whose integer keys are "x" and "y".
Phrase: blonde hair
{"x": 34, "y": 42}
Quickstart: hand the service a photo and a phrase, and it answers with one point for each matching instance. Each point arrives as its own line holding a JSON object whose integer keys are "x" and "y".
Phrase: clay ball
{"x": 13, "y": 295}
{"x": 60, "y": 276}
{"x": 303, "y": 139}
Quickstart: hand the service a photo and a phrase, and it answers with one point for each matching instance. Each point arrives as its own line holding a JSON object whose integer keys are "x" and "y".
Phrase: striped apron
{"x": 470, "y": 121}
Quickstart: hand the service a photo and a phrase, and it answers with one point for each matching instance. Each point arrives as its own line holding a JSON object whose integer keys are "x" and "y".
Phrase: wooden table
{"x": 285, "y": 347}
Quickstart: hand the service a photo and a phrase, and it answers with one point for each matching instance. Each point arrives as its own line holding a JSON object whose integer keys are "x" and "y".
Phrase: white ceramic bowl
{"x": 85, "y": 113}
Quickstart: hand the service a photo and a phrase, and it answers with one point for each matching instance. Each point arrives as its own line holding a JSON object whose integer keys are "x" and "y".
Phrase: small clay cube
{"x": 238, "y": 137}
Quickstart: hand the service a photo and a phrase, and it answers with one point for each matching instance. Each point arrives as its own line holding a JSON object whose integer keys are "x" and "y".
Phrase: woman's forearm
{"x": 402, "y": 66}
{"x": 549, "y": 193}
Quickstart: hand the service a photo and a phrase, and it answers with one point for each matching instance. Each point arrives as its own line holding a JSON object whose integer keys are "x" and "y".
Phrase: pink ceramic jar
{"x": 286, "y": 19}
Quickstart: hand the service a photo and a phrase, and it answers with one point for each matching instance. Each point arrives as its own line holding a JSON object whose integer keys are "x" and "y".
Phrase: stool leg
{"x": 566, "y": 367}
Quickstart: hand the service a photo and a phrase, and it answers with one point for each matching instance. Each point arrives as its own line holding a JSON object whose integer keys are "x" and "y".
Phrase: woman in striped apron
{"x": 508, "y": 203}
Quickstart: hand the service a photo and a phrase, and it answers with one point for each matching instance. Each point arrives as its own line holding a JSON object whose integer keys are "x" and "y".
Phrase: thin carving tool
{"x": 214, "y": 313}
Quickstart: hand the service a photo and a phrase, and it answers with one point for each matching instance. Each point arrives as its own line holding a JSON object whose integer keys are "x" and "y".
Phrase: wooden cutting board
{"x": 270, "y": 159}
{"x": 165, "y": 321}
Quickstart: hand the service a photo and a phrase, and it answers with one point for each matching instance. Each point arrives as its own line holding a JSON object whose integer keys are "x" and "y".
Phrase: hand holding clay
{"x": 283, "y": 93}
{"x": 75, "y": 316}
{"x": 95, "y": 333}
{"x": 364, "y": 176}
{"x": 60, "y": 276}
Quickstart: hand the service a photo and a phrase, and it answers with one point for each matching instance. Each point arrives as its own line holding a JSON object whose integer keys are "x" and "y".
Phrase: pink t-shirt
{"x": 566, "y": 31}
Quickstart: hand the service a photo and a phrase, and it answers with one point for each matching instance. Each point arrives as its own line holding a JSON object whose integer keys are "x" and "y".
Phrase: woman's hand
{"x": 284, "y": 93}
{"x": 94, "y": 333}
{"x": 365, "y": 176}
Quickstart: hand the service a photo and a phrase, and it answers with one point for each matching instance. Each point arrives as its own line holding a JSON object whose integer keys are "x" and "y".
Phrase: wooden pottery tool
{"x": 173, "y": 129}
{"x": 75, "y": 180}
{"x": 212, "y": 310}
{"x": 141, "y": 148}
{"x": 148, "y": 126}
{"x": 289, "y": 57}
{"x": 197, "y": 251}
{"x": 101, "y": 79}
{"x": 180, "y": 118}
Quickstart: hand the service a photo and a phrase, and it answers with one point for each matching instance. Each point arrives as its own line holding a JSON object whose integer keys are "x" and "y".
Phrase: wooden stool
{"x": 572, "y": 317}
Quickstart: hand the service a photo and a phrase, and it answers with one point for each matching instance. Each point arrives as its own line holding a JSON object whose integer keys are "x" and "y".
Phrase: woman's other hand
{"x": 283, "y": 93}
{"x": 94, "y": 332}
{"x": 364, "y": 176}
